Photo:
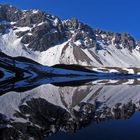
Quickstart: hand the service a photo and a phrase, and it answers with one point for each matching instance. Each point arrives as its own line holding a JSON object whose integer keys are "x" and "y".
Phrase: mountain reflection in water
{"x": 45, "y": 110}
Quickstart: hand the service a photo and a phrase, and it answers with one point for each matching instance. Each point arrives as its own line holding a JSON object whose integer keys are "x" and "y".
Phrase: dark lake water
{"x": 107, "y": 130}
{"x": 99, "y": 110}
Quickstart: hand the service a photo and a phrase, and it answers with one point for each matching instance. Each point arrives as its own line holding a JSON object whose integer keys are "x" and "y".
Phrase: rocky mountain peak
{"x": 35, "y": 30}
{"x": 44, "y": 30}
{"x": 119, "y": 40}
{"x": 10, "y": 13}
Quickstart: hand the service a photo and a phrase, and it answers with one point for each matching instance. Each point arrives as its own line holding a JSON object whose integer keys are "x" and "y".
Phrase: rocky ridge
{"x": 78, "y": 43}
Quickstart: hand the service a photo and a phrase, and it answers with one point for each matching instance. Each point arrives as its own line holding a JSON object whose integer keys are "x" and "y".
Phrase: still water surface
{"x": 85, "y": 111}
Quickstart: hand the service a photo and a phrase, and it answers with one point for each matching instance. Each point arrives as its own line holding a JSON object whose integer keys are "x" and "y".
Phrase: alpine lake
{"x": 77, "y": 110}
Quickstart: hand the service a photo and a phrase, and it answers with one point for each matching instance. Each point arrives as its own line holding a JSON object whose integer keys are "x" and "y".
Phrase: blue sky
{"x": 110, "y": 15}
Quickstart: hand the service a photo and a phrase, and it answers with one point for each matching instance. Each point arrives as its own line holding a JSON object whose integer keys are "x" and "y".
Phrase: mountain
{"x": 22, "y": 74}
{"x": 49, "y": 40}
{"x": 14, "y": 69}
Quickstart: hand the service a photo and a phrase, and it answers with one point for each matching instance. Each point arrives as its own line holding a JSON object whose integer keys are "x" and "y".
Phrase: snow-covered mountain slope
{"x": 22, "y": 74}
{"x": 49, "y": 40}
{"x": 24, "y": 67}
{"x": 21, "y": 66}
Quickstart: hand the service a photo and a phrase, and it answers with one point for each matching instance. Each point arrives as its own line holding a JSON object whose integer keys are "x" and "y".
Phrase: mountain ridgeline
{"x": 49, "y": 40}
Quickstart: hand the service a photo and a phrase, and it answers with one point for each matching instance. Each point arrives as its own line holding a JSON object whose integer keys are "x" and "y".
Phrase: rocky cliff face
{"x": 42, "y": 37}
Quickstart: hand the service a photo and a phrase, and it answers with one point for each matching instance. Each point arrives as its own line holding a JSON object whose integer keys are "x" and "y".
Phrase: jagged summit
{"x": 49, "y": 40}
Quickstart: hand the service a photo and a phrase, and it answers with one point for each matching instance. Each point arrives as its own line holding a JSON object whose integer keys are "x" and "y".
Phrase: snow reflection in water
{"x": 48, "y": 109}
